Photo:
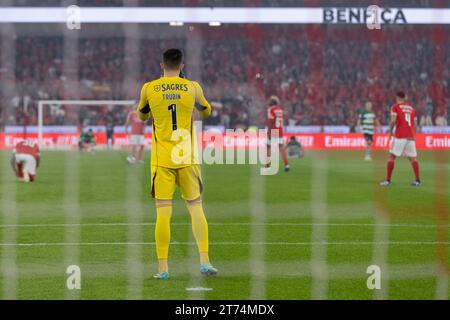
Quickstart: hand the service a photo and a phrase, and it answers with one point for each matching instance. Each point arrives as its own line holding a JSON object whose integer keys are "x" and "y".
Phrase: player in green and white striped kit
{"x": 366, "y": 123}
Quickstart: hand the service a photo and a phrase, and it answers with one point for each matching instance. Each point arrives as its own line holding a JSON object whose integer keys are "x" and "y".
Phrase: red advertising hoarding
{"x": 332, "y": 141}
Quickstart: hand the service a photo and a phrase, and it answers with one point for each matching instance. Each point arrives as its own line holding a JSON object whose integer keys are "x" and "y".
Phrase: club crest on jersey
{"x": 157, "y": 88}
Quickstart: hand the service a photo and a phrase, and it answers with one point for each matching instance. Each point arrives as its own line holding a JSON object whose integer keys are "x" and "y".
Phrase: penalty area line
{"x": 231, "y": 243}
{"x": 281, "y": 224}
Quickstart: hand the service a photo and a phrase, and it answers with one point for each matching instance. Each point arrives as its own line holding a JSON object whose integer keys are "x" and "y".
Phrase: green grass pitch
{"x": 309, "y": 233}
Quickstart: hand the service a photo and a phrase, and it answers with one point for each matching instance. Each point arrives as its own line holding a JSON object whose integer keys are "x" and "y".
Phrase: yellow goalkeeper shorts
{"x": 165, "y": 181}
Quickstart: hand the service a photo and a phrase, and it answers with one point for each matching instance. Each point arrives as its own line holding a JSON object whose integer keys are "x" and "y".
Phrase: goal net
{"x": 60, "y": 122}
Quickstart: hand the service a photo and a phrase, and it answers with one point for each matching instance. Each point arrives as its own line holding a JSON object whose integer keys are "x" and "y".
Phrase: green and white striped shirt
{"x": 367, "y": 121}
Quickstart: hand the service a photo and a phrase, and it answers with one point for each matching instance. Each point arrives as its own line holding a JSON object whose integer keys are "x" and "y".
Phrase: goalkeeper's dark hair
{"x": 173, "y": 58}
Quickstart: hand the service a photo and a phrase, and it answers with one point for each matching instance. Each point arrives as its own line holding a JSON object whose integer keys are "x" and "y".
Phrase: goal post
{"x": 43, "y": 103}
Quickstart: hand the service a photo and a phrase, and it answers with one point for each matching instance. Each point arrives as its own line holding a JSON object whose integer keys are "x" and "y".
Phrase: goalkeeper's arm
{"x": 143, "y": 109}
{"x": 202, "y": 105}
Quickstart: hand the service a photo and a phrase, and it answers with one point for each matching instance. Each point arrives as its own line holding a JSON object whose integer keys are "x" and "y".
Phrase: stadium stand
{"x": 322, "y": 74}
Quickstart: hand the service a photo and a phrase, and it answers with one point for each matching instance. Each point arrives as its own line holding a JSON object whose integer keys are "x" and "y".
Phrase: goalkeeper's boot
{"x": 416, "y": 183}
{"x": 161, "y": 276}
{"x": 207, "y": 269}
{"x": 286, "y": 168}
{"x": 385, "y": 183}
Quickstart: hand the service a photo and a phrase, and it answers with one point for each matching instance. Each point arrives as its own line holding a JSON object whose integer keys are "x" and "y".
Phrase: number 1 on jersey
{"x": 173, "y": 109}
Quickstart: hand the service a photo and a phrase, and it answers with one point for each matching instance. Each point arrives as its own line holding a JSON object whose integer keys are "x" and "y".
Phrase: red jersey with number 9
{"x": 275, "y": 119}
{"x": 406, "y": 116}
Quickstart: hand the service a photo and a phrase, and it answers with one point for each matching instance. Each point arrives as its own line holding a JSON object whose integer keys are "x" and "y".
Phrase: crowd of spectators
{"x": 322, "y": 74}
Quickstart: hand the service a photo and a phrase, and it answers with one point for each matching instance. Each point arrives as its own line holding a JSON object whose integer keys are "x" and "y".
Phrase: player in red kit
{"x": 136, "y": 139}
{"x": 404, "y": 119}
{"x": 25, "y": 160}
{"x": 275, "y": 121}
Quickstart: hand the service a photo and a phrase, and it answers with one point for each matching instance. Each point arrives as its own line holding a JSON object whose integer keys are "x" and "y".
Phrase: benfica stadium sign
{"x": 363, "y": 16}
{"x": 216, "y": 16}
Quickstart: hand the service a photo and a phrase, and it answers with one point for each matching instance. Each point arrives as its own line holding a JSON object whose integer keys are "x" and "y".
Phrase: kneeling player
{"x": 25, "y": 160}
{"x": 86, "y": 141}
{"x": 294, "y": 148}
{"x": 403, "y": 118}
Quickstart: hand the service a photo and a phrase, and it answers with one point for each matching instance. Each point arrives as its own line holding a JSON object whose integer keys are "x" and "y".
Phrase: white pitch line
{"x": 281, "y": 224}
{"x": 233, "y": 243}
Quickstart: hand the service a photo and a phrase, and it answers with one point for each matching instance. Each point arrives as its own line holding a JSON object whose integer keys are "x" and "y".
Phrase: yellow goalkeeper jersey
{"x": 171, "y": 102}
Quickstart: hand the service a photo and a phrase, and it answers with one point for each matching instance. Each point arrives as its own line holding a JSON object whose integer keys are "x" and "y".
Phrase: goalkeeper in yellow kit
{"x": 171, "y": 101}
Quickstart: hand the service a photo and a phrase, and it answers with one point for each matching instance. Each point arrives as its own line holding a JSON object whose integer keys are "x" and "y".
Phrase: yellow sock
{"x": 162, "y": 231}
{"x": 200, "y": 229}
{"x": 163, "y": 265}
